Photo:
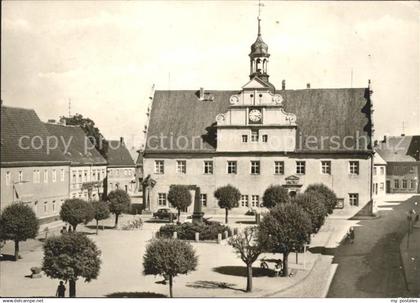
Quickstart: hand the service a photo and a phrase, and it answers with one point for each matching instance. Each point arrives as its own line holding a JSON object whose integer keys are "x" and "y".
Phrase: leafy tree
{"x": 313, "y": 205}
{"x": 70, "y": 256}
{"x": 228, "y": 197}
{"x": 18, "y": 223}
{"x": 329, "y": 197}
{"x": 274, "y": 195}
{"x": 93, "y": 133}
{"x": 285, "y": 228}
{"x": 119, "y": 202}
{"x": 248, "y": 248}
{"x": 75, "y": 211}
{"x": 169, "y": 258}
{"x": 100, "y": 212}
{"x": 180, "y": 197}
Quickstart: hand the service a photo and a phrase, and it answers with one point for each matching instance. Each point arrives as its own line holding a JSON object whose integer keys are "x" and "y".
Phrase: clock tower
{"x": 259, "y": 57}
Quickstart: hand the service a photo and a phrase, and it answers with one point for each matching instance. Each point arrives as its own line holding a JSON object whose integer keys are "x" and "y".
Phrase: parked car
{"x": 164, "y": 213}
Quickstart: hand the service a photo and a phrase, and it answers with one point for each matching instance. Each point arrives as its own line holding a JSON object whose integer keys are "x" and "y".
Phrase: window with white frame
{"x": 255, "y": 168}
{"x": 159, "y": 167}
{"x": 396, "y": 183}
{"x": 300, "y": 167}
{"x": 413, "y": 184}
{"x": 264, "y": 138}
{"x": 162, "y": 199}
{"x": 45, "y": 176}
{"x": 244, "y": 201}
{"x": 354, "y": 167}
{"x": 203, "y": 200}
{"x": 255, "y": 201}
{"x": 354, "y": 199}
{"x": 404, "y": 183}
{"x": 279, "y": 167}
{"x": 381, "y": 186}
{"x": 53, "y": 206}
{"x": 382, "y": 170}
{"x": 244, "y": 138}
{"x": 375, "y": 171}
{"x": 62, "y": 175}
{"x": 181, "y": 166}
{"x": 54, "y": 176}
{"x": 231, "y": 167}
{"x": 208, "y": 167}
{"x": 85, "y": 176}
{"x": 254, "y": 136}
{"x": 45, "y": 207}
{"x": 8, "y": 177}
{"x": 326, "y": 167}
{"x": 37, "y": 176}
{"x": 125, "y": 172}
{"x": 80, "y": 177}
{"x": 20, "y": 176}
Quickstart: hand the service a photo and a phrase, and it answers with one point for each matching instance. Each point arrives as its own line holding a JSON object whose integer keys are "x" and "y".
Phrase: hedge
{"x": 186, "y": 231}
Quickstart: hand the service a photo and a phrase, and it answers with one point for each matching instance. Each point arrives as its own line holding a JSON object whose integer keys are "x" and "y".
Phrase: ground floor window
{"x": 413, "y": 184}
{"x": 354, "y": 199}
{"x": 244, "y": 201}
{"x": 255, "y": 201}
{"x": 162, "y": 199}
{"x": 203, "y": 200}
{"x": 404, "y": 183}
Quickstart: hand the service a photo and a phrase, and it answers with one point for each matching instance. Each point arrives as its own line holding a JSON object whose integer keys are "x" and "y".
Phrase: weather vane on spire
{"x": 259, "y": 16}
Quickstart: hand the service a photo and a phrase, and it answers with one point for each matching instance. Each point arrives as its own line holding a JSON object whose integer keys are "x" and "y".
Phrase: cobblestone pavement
{"x": 371, "y": 267}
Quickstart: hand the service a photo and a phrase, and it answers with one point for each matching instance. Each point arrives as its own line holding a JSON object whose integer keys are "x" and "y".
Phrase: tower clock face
{"x": 255, "y": 116}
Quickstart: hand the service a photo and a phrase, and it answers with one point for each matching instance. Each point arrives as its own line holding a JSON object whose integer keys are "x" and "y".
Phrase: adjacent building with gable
{"x": 87, "y": 166}
{"x": 121, "y": 168}
{"x": 402, "y": 155}
{"x": 31, "y": 172}
{"x": 257, "y": 136}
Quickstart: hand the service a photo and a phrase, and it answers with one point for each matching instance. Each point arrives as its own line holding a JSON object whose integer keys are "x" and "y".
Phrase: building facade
{"x": 402, "y": 155}
{"x": 379, "y": 177}
{"x": 87, "y": 171}
{"x": 31, "y": 172}
{"x": 258, "y": 136}
{"x": 121, "y": 168}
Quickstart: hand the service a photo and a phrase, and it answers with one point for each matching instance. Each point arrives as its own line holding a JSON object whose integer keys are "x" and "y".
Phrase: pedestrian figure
{"x": 351, "y": 234}
{"x": 61, "y": 290}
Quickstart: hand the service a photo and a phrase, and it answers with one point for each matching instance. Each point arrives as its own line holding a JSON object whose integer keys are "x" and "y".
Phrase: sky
{"x": 103, "y": 57}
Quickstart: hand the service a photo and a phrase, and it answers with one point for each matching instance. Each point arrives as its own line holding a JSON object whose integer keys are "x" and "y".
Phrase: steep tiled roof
{"x": 118, "y": 154}
{"x": 75, "y": 145}
{"x": 19, "y": 124}
{"x": 320, "y": 113}
{"x": 400, "y": 148}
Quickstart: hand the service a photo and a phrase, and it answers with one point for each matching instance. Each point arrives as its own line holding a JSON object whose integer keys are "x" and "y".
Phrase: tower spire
{"x": 259, "y": 16}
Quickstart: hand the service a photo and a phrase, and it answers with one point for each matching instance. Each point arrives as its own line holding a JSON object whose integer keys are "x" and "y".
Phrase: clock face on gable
{"x": 255, "y": 116}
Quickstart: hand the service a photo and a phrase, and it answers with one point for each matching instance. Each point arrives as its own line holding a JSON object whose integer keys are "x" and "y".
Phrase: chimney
{"x": 283, "y": 84}
{"x": 384, "y": 141}
{"x": 121, "y": 139}
{"x": 201, "y": 93}
{"x": 402, "y": 135}
{"x": 308, "y": 85}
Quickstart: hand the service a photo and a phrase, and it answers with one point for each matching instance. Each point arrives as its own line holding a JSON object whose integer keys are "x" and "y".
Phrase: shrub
{"x": 275, "y": 194}
{"x": 251, "y": 212}
{"x": 329, "y": 197}
{"x": 186, "y": 231}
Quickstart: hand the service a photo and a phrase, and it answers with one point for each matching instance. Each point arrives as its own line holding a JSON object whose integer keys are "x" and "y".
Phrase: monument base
{"x": 197, "y": 217}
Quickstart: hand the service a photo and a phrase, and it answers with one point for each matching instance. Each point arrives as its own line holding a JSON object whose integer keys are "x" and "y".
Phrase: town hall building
{"x": 259, "y": 136}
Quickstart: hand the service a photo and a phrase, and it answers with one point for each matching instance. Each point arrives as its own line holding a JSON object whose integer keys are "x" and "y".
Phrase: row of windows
{"x": 381, "y": 170}
{"x": 120, "y": 171}
{"x": 36, "y": 176}
{"x": 404, "y": 183}
{"x": 255, "y": 137}
{"x": 163, "y": 199}
{"x": 83, "y": 176}
{"x": 245, "y": 201}
{"x": 255, "y": 167}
